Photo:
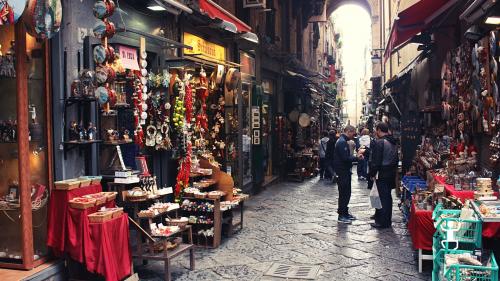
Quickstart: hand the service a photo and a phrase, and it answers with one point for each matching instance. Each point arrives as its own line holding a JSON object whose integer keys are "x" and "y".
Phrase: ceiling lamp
{"x": 156, "y": 8}
{"x": 494, "y": 20}
{"x": 474, "y": 33}
{"x": 249, "y": 36}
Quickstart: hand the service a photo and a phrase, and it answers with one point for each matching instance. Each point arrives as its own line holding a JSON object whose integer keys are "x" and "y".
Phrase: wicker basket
{"x": 84, "y": 182}
{"x": 75, "y": 204}
{"x": 216, "y": 195}
{"x": 145, "y": 215}
{"x": 176, "y": 222}
{"x": 100, "y": 217}
{"x": 117, "y": 212}
{"x": 66, "y": 185}
{"x": 99, "y": 198}
{"x": 110, "y": 196}
{"x": 200, "y": 195}
{"x": 136, "y": 198}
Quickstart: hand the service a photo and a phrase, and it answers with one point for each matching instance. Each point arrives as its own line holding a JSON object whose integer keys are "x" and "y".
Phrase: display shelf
{"x": 181, "y": 248}
{"x": 217, "y": 219}
{"x": 70, "y": 145}
{"x": 159, "y": 215}
{"x": 146, "y": 251}
{"x": 120, "y": 142}
{"x": 78, "y": 100}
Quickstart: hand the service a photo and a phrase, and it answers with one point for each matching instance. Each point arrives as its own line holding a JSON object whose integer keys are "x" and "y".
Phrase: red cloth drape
{"x": 108, "y": 252}
{"x": 490, "y": 229}
{"x": 421, "y": 227}
{"x": 58, "y": 214}
{"x": 103, "y": 247}
{"x": 460, "y": 194}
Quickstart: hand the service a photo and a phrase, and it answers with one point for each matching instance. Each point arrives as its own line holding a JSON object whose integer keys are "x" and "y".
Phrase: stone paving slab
{"x": 296, "y": 223}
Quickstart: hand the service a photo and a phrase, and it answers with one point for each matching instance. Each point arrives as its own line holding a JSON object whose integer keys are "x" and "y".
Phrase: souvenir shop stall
{"x": 451, "y": 198}
{"x": 134, "y": 103}
{"x": 25, "y": 131}
{"x": 302, "y": 129}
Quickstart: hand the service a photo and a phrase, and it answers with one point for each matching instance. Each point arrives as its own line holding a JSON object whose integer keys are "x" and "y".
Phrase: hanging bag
{"x": 375, "y": 197}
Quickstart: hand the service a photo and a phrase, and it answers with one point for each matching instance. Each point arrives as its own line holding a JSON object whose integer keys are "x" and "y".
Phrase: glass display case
{"x": 25, "y": 149}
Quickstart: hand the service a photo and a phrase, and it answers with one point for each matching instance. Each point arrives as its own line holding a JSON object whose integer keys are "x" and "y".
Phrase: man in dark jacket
{"x": 343, "y": 164}
{"x": 383, "y": 169}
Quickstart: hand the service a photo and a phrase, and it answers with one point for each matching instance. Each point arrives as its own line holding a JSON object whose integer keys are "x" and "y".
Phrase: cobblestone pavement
{"x": 296, "y": 223}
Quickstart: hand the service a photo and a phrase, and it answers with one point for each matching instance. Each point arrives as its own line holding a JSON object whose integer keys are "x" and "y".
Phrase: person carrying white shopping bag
{"x": 384, "y": 167}
{"x": 375, "y": 197}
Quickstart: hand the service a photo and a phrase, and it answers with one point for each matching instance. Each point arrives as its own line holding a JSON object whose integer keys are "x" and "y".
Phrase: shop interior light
{"x": 474, "y": 33}
{"x": 495, "y": 20}
{"x": 249, "y": 36}
{"x": 156, "y": 8}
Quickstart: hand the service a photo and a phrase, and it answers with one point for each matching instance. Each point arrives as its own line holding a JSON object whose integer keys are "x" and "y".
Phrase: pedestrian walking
{"x": 323, "y": 164}
{"x": 364, "y": 143}
{"x": 330, "y": 154}
{"x": 384, "y": 169}
{"x": 343, "y": 160}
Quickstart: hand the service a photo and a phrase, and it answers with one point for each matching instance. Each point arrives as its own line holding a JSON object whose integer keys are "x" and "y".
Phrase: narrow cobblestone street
{"x": 296, "y": 223}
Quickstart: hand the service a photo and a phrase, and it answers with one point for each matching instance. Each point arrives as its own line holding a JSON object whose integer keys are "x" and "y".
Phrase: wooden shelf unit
{"x": 216, "y": 215}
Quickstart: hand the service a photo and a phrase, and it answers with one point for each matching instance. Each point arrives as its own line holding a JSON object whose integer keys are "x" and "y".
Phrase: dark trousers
{"x": 323, "y": 165}
{"x": 344, "y": 184}
{"x": 362, "y": 168}
{"x": 384, "y": 216}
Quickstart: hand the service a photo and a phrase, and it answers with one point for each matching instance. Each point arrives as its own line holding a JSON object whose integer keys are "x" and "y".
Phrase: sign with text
{"x": 203, "y": 48}
{"x": 247, "y": 64}
{"x": 128, "y": 57}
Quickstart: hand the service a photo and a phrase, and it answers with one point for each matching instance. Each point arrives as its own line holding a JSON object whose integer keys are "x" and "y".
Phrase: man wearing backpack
{"x": 323, "y": 161}
{"x": 383, "y": 169}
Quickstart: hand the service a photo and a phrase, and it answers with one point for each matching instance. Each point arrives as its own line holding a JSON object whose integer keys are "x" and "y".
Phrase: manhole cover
{"x": 293, "y": 271}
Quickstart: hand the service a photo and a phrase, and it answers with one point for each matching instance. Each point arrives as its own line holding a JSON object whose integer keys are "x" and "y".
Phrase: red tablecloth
{"x": 104, "y": 248}
{"x": 460, "y": 194}
{"x": 58, "y": 215}
{"x": 490, "y": 229}
{"x": 109, "y": 252}
{"x": 421, "y": 227}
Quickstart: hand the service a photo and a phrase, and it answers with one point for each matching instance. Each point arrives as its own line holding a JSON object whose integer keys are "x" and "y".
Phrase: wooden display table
{"x": 149, "y": 249}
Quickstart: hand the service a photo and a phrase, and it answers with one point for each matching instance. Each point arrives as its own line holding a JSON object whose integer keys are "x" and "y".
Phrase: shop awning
{"x": 215, "y": 11}
{"x": 414, "y": 20}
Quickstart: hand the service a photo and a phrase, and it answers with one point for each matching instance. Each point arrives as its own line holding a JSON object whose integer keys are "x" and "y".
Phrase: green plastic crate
{"x": 469, "y": 231}
{"x": 459, "y": 272}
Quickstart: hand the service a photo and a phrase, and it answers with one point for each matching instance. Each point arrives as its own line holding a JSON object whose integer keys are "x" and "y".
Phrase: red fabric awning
{"x": 414, "y": 20}
{"x": 215, "y": 11}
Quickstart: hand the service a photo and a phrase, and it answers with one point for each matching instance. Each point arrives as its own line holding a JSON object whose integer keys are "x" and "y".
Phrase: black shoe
{"x": 344, "y": 219}
{"x": 351, "y": 217}
{"x": 379, "y": 226}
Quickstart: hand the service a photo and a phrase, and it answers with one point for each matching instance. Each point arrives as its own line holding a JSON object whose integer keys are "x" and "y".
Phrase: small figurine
{"x": 74, "y": 135}
{"x": 126, "y": 135}
{"x": 82, "y": 133}
{"x": 91, "y": 132}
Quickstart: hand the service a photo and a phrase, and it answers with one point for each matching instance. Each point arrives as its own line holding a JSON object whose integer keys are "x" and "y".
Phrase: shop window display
{"x": 13, "y": 237}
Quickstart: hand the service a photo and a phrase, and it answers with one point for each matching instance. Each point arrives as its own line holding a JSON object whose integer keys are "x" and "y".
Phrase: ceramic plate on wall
{"x": 11, "y": 10}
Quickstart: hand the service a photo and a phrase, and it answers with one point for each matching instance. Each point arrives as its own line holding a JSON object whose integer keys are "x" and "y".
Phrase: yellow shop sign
{"x": 203, "y": 48}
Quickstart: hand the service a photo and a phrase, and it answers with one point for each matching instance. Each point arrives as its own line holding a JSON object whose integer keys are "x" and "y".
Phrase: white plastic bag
{"x": 375, "y": 197}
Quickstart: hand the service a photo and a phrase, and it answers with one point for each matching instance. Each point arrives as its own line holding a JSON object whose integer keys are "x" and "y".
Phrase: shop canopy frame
{"x": 414, "y": 20}
{"x": 310, "y": 82}
{"x": 169, "y": 43}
